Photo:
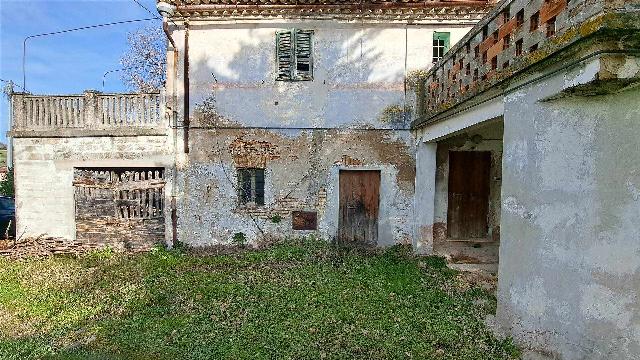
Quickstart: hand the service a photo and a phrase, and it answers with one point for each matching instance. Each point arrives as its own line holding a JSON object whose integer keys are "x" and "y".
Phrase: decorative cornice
{"x": 335, "y": 9}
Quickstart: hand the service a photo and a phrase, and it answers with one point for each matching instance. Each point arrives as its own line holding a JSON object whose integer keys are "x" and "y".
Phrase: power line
{"x": 144, "y": 7}
{"x": 12, "y": 83}
{"x": 24, "y": 42}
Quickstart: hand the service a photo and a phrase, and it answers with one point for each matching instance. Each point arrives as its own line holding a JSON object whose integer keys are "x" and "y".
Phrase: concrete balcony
{"x": 517, "y": 38}
{"x": 89, "y": 114}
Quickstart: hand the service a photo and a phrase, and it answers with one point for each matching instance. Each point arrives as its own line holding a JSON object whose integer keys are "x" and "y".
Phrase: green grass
{"x": 299, "y": 300}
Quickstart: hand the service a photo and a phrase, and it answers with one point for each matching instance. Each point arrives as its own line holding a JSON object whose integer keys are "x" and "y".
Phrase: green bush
{"x": 6, "y": 186}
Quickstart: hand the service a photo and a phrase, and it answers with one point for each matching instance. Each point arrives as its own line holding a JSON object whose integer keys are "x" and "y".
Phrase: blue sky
{"x": 67, "y": 63}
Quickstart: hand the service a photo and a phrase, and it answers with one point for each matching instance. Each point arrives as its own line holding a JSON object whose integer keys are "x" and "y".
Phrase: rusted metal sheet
{"x": 120, "y": 207}
{"x": 468, "y": 208}
{"x": 304, "y": 220}
{"x": 359, "y": 207}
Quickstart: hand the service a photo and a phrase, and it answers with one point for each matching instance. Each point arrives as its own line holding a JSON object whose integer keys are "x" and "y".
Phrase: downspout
{"x": 186, "y": 121}
{"x": 172, "y": 120}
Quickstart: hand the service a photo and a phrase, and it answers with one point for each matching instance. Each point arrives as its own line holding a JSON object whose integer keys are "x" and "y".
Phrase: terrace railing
{"x": 509, "y": 39}
{"x": 91, "y": 110}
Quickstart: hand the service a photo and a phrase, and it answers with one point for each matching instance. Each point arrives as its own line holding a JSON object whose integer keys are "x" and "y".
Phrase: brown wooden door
{"x": 359, "y": 205}
{"x": 468, "y": 194}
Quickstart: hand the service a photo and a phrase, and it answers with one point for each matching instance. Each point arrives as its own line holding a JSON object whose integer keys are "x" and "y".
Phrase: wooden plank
{"x": 359, "y": 207}
{"x": 469, "y": 185}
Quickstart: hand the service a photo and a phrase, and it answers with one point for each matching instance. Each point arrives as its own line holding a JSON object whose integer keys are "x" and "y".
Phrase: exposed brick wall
{"x": 510, "y": 38}
{"x": 301, "y": 170}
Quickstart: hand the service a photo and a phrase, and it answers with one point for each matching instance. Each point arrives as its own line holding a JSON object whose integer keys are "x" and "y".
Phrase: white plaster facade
{"x": 357, "y": 106}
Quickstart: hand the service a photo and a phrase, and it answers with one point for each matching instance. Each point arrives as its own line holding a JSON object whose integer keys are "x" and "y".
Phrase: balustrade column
{"x": 92, "y": 109}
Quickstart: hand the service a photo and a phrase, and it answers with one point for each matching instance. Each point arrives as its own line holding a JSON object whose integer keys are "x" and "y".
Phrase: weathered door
{"x": 468, "y": 194}
{"x": 359, "y": 205}
{"x": 118, "y": 207}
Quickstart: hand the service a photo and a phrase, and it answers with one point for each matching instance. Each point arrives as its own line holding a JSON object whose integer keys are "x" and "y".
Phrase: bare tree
{"x": 144, "y": 62}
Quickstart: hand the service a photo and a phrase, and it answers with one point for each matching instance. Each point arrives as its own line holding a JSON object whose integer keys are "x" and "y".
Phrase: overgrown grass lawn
{"x": 302, "y": 299}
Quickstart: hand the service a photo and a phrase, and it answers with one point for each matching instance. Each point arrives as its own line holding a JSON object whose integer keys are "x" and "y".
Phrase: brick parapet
{"x": 513, "y": 37}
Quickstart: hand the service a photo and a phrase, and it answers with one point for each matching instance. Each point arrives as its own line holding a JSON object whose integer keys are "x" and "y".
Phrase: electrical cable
{"x": 24, "y": 42}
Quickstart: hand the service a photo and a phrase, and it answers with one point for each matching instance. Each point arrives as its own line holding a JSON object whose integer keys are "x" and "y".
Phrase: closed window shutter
{"x": 284, "y": 49}
{"x": 303, "y": 50}
{"x": 444, "y": 38}
{"x": 259, "y": 186}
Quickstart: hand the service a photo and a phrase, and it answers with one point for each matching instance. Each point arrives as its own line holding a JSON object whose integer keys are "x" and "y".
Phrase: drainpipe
{"x": 186, "y": 121}
{"x": 174, "y": 73}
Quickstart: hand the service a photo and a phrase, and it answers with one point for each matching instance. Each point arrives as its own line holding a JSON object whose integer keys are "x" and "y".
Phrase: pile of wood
{"x": 42, "y": 247}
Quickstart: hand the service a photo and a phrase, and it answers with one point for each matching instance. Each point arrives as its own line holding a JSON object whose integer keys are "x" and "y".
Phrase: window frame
{"x": 294, "y": 74}
{"x": 250, "y": 195}
{"x": 443, "y": 36}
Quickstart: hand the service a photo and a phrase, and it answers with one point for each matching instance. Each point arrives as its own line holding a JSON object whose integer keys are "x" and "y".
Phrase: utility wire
{"x": 12, "y": 83}
{"x": 24, "y": 42}
{"x": 149, "y": 11}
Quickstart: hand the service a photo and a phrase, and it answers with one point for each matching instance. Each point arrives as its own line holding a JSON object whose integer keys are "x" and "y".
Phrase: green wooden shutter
{"x": 444, "y": 36}
{"x": 304, "y": 55}
{"x": 284, "y": 54}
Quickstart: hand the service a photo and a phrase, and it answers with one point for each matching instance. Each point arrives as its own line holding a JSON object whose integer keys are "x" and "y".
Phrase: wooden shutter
{"x": 444, "y": 37}
{"x": 284, "y": 54}
{"x": 259, "y": 186}
{"x": 303, "y": 51}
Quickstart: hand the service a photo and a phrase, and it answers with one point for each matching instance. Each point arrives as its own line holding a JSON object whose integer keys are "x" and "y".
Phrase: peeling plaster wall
{"x": 353, "y": 115}
{"x": 570, "y": 250}
{"x": 44, "y": 175}
{"x": 301, "y": 173}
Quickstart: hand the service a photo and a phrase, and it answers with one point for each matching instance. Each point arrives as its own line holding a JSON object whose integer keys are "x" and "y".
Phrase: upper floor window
{"x": 440, "y": 45}
{"x": 294, "y": 55}
{"x": 251, "y": 186}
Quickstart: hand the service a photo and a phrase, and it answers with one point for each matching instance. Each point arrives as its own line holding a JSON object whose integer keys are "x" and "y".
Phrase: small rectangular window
{"x": 519, "y": 47}
{"x": 494, "y": 63}
{"x": 251, "y": 186}
{"x": 294, "y": 56}
{"x": 535, "y": 19}
{"x": 551, "y": 27}
{"x": 506, "y": 41}
{"x": 520, "y": 18}
{"x": 506, "y": 13}
{"x": 440, "y": 45}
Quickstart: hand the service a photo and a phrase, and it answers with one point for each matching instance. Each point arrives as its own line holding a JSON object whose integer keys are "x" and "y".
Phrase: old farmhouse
{"x": 502, "y": 136}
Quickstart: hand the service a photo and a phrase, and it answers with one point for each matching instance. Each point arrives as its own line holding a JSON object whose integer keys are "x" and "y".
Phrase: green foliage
{"x": 6, "y": 186}
{"x": 299, "y": 299}
{"x": 276, "y": 219}
{"x": 239, "y": 239}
